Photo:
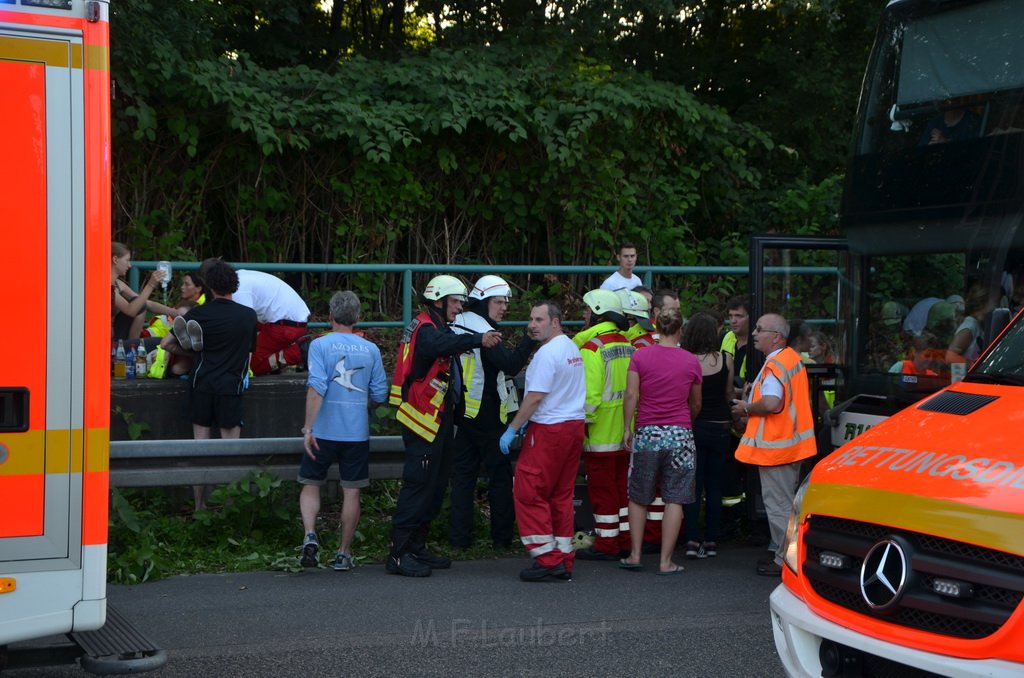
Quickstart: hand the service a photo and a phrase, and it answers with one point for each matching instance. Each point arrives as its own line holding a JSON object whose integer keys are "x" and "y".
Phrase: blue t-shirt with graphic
{"x": 347, "y": 371}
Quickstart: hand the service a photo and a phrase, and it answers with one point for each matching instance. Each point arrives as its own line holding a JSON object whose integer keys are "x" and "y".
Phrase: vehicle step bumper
{"x": 117, "y": 648}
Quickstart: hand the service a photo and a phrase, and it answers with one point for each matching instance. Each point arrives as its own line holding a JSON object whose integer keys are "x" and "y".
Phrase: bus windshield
{"x": 1005, "y": 362}
{"x": 945, "y": 74}
{"x": 934, "y": 196}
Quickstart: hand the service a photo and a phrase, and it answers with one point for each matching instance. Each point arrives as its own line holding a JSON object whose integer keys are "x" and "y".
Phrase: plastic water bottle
{"x": 164, "y": 266}
{"x": 129, "y": 363}
{"x": 120, "y": 358}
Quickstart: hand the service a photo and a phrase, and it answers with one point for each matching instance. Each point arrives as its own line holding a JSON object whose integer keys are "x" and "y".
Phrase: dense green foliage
{"x": 505, "y": 132}
{"x": 252, "y": 524}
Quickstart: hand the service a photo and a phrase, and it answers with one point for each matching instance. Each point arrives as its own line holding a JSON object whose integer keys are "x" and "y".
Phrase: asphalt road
{"x": 475, "y": 619}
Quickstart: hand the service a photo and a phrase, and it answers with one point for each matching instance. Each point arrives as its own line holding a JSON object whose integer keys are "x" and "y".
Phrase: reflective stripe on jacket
{"x": 787, "y": 435}
{"x": 473, "y": 371}
{"x": 584, "y": 335}
{"x": 643, "y": 339}
{"x": 605, "y": 365}
{"x": 420, "y": 401}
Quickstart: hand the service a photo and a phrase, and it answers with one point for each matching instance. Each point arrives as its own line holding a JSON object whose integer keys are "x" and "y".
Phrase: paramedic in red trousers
{"x": 606, "y": 363}
{"x": 780, "y": 428}
{"x": 491, "y": 398}
{"x": 282, "y": 316}
{"x": 427, "y": 389}
{"x": 550, "y": 458}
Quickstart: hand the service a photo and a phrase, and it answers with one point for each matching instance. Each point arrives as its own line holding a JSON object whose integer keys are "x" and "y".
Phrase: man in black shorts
{"x": 220, "y": 337}
{"x": 346, "y": 378}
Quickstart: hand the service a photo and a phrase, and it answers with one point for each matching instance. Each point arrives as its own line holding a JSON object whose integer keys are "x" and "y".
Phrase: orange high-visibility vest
{"x": 788, "y": 435}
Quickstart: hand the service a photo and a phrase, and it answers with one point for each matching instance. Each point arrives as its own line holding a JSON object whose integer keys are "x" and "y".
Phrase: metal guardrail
{"x": 164, "y": 463}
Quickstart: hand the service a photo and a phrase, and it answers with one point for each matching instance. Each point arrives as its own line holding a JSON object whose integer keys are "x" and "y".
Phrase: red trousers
{"x": 607, "y": 477}
{"x": 276, "y": 347}
{"x": 543, "y": 488}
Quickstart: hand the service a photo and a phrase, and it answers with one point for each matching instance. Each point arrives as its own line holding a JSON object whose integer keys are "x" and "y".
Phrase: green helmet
{"x": 605, "y": 304}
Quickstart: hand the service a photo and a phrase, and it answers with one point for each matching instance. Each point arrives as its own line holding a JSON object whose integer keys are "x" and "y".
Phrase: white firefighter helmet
{"x": 441, "y": 286}
{"x": 490, "y": 286}
{"x": 603, "y": 301}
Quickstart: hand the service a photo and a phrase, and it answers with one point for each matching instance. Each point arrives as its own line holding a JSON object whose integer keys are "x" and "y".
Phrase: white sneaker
{"x": 180, "y": 329}
{"x": 195, "y": 334}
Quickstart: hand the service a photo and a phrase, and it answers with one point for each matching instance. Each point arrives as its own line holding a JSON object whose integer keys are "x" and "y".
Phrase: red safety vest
{"x": 419, "y": 401}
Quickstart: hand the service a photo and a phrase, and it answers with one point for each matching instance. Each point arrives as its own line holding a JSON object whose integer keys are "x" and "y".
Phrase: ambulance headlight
{"x": 792, "y": 542}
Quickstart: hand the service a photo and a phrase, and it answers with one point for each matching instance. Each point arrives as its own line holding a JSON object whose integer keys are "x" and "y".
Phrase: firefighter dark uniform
{"x": 427, "y": 387}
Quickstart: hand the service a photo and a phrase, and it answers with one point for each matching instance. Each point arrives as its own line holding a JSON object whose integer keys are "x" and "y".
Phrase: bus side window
{"x": 1006, "y": 115}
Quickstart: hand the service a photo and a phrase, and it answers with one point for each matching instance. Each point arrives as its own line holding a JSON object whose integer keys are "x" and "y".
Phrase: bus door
{"x": 811, "y": 281}
{"x": 42, "y": 278}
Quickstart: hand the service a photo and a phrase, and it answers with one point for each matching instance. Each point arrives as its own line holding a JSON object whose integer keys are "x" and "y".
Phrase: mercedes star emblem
{"x": 883, "y": 576}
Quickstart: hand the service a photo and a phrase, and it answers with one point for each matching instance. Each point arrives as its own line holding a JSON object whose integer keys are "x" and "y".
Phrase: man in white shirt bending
{"x": 281, "y": 315}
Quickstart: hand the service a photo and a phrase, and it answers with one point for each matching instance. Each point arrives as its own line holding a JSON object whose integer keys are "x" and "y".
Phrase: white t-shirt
{"x": 971, "y": 324}
{"x": 617, "y": 282}
{"x": 272, "y": 298}
{"x": 557, "y": 370}
{"x": 770, "y": 384}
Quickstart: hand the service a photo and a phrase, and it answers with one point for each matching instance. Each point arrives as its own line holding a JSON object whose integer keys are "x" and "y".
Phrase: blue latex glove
{"x": 506, "y": 440}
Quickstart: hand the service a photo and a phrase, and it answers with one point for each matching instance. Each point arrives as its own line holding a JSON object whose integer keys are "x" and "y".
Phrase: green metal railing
{"x": 407, "y": 271}
{"x": 409, "y": 301}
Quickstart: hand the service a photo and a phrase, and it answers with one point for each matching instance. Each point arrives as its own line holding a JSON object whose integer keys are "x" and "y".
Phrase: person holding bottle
{"x": 128, "y": 308}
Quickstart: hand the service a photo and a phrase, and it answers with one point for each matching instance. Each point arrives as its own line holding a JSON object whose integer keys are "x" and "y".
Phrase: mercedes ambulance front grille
{"x": 996, "y": 578}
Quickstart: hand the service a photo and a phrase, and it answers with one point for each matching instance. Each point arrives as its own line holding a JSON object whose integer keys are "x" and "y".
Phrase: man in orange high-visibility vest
{"x": 780, "y": 428}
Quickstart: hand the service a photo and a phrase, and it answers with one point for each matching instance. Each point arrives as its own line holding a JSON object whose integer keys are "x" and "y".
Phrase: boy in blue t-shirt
{"x": 346, "y": 378}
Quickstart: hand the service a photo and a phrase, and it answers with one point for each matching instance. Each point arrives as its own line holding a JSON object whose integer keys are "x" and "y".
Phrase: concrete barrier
{"x": 274, "y": 407}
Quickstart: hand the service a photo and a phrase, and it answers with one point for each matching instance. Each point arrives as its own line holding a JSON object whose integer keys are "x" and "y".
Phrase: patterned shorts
{"x": 664, "y": 453}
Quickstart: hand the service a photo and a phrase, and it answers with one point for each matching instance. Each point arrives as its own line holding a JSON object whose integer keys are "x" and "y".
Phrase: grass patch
{"x": 254, "y": 524}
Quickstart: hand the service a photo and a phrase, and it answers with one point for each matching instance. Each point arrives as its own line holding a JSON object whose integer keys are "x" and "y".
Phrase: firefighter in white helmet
{"x": 606, "y": 356}
{"x": 491, "y": 398}
{"x": 427, "y": 389}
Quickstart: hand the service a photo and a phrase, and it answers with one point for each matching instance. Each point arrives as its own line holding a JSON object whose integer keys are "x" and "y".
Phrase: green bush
{"x": 252, "y": 524}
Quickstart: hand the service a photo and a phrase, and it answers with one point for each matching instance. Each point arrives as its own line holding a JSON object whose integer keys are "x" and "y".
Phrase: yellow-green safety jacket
{"x": 606, "y": 358}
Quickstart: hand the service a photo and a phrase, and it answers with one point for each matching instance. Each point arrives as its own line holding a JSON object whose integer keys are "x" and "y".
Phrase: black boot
{"x": 538, "y": 572}
{"x": 400, "y": 560}
{"x": 418, "y": 550}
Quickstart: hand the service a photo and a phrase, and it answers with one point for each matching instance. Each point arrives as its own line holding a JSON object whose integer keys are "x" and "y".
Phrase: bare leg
{"x": 309, "y": 506}
{"x": 199, "y": 491}
{"x": 669, "y": 533}
{"x": 199, "y": 497}
{"x": 350, "y": 511}
{"x": 135, "y": 331}
{"x": 637, "y": 521}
